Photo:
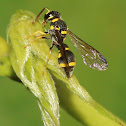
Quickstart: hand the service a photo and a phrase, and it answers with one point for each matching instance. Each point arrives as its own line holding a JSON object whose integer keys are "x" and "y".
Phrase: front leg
{"x": 37, "y": 35}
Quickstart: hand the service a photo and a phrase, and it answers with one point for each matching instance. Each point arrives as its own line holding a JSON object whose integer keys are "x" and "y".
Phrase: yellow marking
{"x": 51, "y": 27}
{"x": 67, "y": 28}
{"x": 64, "y": 39}
{"x": 72, "y": 64}
{"x": 56, "y": 19}
{"x": 50, "y": 17}
{"x": 47, "y": 12}
{"x": 66, "y": 48}
{"x": 63, "y": 32}
{"x": 57, "y": 28}
{"x": 62, "y": 65}
{"x": 59, "y": 55}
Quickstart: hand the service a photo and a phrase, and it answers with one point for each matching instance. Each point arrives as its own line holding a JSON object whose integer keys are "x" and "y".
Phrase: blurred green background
{"x": 102, "y": 24}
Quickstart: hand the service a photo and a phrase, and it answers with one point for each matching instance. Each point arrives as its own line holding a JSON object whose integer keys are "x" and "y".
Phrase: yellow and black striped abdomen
{"x": 67, "y": 62}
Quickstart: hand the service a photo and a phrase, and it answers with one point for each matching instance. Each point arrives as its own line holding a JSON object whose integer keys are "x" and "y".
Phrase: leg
{"x": 39, "y": 37}
{"x": 48, "y": 58}
{"x": 33, "y": 41}
{"x": 49, "y": 54}
{"x": 46, "y": 38}
{"x": 43, "y": 34}
{"x": 38, "y": 32}
{"x": 40, "y": 14}
{"x": 47, "y": 61}
{"x": 52, "y": 45}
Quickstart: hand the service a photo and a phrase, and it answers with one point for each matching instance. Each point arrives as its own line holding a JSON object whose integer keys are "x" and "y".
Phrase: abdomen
{"x": 66, "y": 60}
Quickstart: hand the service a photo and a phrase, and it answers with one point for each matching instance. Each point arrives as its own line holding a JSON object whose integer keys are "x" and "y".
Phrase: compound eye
{"x": 46, "y": 16}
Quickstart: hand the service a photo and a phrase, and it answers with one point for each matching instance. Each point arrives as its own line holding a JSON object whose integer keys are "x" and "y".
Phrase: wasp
{"x": 58, "y": 31}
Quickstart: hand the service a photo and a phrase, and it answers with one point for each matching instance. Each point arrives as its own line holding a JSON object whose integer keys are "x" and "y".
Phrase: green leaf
{"x": 5, "y": 65}
{"x": 28, "y": 63}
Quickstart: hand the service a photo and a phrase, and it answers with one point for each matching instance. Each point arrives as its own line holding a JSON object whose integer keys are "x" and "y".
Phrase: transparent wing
{"x": 91, "y": 57}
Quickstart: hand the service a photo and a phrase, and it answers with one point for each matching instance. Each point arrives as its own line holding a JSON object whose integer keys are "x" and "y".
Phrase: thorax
{"x": 60, "y": 25}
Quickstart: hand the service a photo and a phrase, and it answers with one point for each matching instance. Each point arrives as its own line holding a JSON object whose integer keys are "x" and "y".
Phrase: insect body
{"x": 58, "y": 31}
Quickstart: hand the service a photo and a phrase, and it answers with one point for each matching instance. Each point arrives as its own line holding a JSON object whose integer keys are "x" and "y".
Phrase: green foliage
{"x": 5, "y": 65}
{"x": 28, "y": 64}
